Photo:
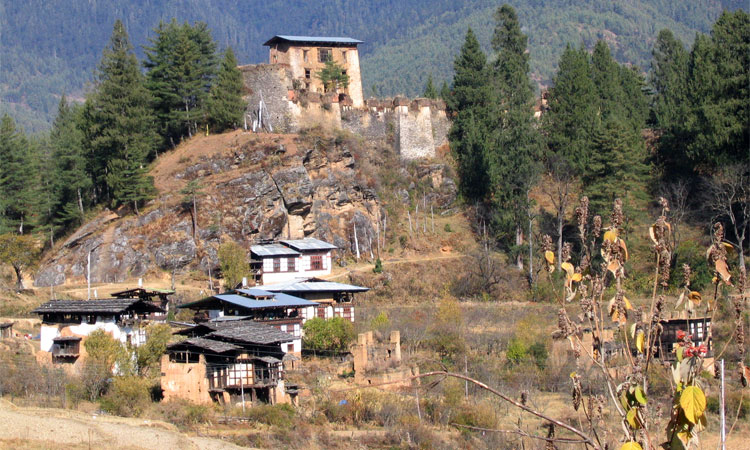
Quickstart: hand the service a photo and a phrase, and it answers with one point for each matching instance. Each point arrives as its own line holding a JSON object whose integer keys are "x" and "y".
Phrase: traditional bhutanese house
{"x": 6, "y": 330}
{"x": 158, "y": 296}
{"x": 698, "y": 329}
{"x": 334, "y": 299}
{"x": 290, "y": 259}
{"x": 66, "y": 323}
{"x": 228, "y": 362}
{"x": 283, "y": 311}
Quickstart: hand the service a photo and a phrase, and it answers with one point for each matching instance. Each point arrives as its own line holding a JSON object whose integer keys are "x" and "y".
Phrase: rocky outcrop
{"x": 257, "y": 189}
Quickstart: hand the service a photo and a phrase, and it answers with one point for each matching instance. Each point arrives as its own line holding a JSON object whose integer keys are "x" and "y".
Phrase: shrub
{"x": 274, "y": 415}
{"x": 180, "y": 412}
{"x": 127, "y": 396}
{"x": 332, "y": 334}
{"x": 447, "y": 228}
{"x": 233, "y": 263}
{"x": 378, "y": 266}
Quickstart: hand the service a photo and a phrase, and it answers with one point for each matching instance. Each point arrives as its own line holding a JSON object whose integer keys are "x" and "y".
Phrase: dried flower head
{"x": 686, "y": 273}
{"x": 547, "y": 244}
{"x": 617, "y": 215}
{"x": 567, "y": 252}
{"x": 597, "y": 229}
{"x": 582, "y": 216}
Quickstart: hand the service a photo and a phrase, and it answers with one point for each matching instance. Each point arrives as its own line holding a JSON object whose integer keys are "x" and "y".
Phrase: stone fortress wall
{"x": 417, "y": 126}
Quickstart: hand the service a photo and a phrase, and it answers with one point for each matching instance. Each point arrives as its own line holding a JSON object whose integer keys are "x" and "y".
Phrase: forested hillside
{"x": 48, "y": 48}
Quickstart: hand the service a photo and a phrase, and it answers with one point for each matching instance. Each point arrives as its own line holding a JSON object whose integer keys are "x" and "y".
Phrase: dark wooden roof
{"x": 6, "y": 325}
{"x": 205, "y": 344}
{"x": 242, "y": 331}
{"x": 66, "y": 338}
{"x": 105, "y": 306}
{"x": 142, "y": 293}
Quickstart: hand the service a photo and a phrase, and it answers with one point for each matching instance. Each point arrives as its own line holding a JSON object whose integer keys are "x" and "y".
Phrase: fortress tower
{"x": 307, "y": 55}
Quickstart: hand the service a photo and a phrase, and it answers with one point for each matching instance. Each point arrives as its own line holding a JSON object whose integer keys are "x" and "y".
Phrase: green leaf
{"x": 631, "y": 418}
{"x": 640, "y": 396}
{"x": 680, "y": 353}
{"x": 693, "y": 403}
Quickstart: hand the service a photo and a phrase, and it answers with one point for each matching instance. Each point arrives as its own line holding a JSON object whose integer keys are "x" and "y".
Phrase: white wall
{"x": 50, "y": 331}
{"x": 301, "y": 266}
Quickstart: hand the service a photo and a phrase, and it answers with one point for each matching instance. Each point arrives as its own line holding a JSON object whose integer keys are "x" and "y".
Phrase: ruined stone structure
{"x": 295, "y": 99}
{"x": 306, "y": 56}
{"x": 380, "y": 362}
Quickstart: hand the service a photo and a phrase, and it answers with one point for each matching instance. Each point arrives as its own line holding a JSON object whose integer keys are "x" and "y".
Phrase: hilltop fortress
{"x": 295, "y": 98}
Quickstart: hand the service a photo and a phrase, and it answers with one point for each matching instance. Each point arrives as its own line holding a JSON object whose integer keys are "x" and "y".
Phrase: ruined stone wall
{"x": 185, "y": 381}
{"x": 415, "y": 127}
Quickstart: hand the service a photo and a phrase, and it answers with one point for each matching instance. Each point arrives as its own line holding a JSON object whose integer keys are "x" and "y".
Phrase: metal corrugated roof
{"x": 313, "y": 39}
{"x": 252, "y": 299}
{"x": 272, "y": 250}
{"x": 308, "y": 285}
{"x": 308, "y": 244}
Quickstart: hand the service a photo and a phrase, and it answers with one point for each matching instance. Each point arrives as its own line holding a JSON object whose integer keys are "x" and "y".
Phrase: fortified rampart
{"x": 417, "y": 127}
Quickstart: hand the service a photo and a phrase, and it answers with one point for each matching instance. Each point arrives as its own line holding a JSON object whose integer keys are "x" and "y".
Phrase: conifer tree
{"x": 514, "y": 161}
{"x": 470, "y": 101}
{"x": 226, "y": 107}
{"x": 120, "y": 126}
{"x": 445, "y": 91}
{"x": 429, "y": 89}
{"x": 605, "y": 75}
{"x": 16, "y": 178}
{"x": 668, "y": 80}
{"x": 572, "y": 116}
{"x": 71, "y": 184}
{"x": 181, "y": 66}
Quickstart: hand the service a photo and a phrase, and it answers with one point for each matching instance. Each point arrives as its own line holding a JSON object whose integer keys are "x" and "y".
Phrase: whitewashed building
{"x": 291, "y": 259}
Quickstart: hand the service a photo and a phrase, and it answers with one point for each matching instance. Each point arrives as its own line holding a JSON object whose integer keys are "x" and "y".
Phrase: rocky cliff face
{"x": 254, "y": 187}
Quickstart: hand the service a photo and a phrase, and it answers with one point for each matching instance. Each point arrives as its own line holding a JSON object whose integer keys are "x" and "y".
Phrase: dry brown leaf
{"x": 651, "y": 234}
{"x": 721, "y": 267}
{"x": 614, "y": 266}
{"x": 624, "y": 249}
{"x": 695, "y": 297}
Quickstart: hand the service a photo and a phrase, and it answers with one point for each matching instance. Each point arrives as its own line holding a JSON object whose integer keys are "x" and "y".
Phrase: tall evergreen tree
{"x": 668, "y": 80}
{"x": 120, "y": 125}
{"x": 226, "y": 107}
{"x": 429, "y": 89}
{"x": 469, "y": 134}
{"x": 71, "y": 184}
{"x": 181, "y": 65}
{"x": 517, "y": 142}
{"x": 605, "y": 75}
{"x": 718, "y": 125}
{"x": 16, "y": 179}
{"x": 572, "y": 116}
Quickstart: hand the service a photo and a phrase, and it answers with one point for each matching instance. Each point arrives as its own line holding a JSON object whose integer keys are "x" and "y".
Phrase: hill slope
{"x": 48, "y": 48}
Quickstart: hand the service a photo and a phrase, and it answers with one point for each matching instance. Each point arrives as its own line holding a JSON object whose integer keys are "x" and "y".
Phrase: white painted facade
{"x": 277, "y": 269}
{"x": 124, "y": 333}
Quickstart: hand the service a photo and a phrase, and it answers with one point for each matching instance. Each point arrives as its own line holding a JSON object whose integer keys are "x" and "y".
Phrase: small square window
{"x": 277, "y": 264}
{"x": 324, "y": 54}
{"x": 307, "y": 73}
{"x": 304, "y": 55}
{"x": 290, "y": 265}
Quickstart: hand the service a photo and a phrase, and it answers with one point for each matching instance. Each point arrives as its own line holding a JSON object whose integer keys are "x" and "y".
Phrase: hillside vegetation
{"x": 51, "y": 48}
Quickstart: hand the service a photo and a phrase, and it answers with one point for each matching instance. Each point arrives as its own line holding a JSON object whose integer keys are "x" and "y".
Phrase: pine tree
{"x": 514, "y": 161}
{"x": 605, "y": 75}
{"x": 668, "y": 80}
{"x": 572, "y": 116}
{"x": 445, "y": 91}
{"x": 717, "y": 129}
{"x": 226, "y": 107}
{"x": 470, "y": 130}
{"x": 120, "y": 125}
{"x": 618, "y": 154}
{"x": 429, "y": 89}
{"x": 181, "y": 66}
{"x": 71, "y": 184}
{"x": 16, "y": 179}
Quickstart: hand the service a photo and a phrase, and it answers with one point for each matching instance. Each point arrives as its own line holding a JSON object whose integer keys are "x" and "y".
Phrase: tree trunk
{"x": 135, "y": 206}
{"x": 19, "y": 277}
{"x": 560, "y": 221}
{"x": 531, "y": 252}
{"x": 519, "y": 242}
{"x": 80, "y": 203}
{"x": 195, "y": 217}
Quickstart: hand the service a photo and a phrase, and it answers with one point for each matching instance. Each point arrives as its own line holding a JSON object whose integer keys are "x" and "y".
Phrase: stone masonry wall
{"x": 416, "y": 127}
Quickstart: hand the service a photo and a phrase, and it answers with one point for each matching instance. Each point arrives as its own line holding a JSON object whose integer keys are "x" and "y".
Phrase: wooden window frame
{"x": 316, "y": 262}
{"x": 291, "y": 264}
{"x": 325, "y": 55}
{"x": 276, "y": 265}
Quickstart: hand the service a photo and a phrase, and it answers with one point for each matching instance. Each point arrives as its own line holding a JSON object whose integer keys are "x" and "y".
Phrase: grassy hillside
{"x": 48, "y": 48}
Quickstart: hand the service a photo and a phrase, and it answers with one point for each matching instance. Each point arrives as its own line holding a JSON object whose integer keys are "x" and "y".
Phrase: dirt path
{"x": 50, "y": 428}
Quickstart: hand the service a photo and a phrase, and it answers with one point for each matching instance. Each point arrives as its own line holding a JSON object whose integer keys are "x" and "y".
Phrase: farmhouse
{"x": 282, "y": 311}
{"x": 287, "y": 260}
{"x": 698, "y": 329}
{"x": 228, "y": 362}
{"x": 307, "y": 56}
{"x": 66, "y": 323}
{"x": 158, "y": 296}
{"x": 334, "y": 299}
